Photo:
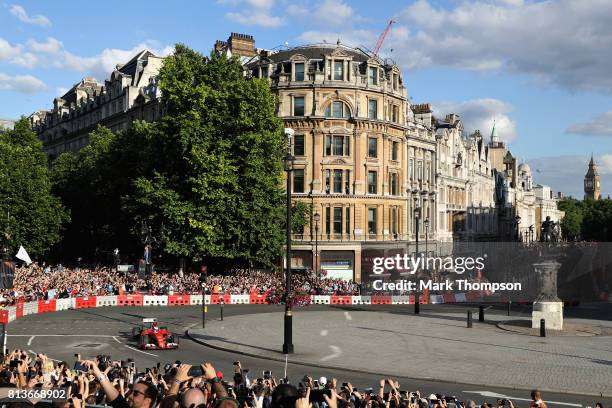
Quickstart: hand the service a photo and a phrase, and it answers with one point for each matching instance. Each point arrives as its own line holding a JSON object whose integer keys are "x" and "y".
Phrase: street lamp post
{"x": 317, "y": 218}
{"x": 288, "y": 339}
{"x": 426, "y": 223}
{"x": 517, "y": 219}
{"x": 417, "y": 215}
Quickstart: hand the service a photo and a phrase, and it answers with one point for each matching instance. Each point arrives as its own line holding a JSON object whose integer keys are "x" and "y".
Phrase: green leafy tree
{"x": 216, "y": 192}
{"x": 571, "y": 223}
{"x": 32, "y": 216}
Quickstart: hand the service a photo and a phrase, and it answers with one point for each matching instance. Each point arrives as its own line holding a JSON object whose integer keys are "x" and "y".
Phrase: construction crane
{"x": 382, "y": 37}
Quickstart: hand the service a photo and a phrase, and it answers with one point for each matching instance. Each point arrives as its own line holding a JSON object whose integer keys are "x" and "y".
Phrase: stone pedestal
{"x": 552, "y": 312}
{"x": 547, "y": 305}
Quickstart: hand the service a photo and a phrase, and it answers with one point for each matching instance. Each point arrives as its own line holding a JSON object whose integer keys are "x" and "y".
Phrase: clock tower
{"x": 592, "y": 183}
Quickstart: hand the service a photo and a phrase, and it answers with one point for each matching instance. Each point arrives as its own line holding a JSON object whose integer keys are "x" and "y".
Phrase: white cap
{"x": 322, "y": 380}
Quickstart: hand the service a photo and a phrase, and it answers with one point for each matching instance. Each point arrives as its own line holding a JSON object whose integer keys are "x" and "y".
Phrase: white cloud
{"x": 566, "y": 173}
{"x": 333, "y": 12}
{"x": 600, "y": 125}
{"x": 255, "y": 18}
{"x": 297, "y": 10}
{"x": 23, "y": 16}
{"x": 8, "y": 51}
{"x": 21, "y": 83}
{"x": 52, "y": 53}
{"x": 565, "y": 42}
{"x": 480, "y": 114}
{"x": 253, "y": 13}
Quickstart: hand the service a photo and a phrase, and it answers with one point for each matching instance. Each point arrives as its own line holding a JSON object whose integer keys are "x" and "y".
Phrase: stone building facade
{"x": 129, "y": 94}
{"x": 366, "y": 160}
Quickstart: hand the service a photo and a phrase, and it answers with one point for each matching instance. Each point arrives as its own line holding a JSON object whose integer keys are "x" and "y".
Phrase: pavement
{"x": 427, "y": 346}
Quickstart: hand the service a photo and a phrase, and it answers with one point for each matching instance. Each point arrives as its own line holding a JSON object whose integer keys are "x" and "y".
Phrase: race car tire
{"x": 135, "y": 332}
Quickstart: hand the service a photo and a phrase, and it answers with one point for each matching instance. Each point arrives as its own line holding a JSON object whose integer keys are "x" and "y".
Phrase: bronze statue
{"x": 549, "y": 231}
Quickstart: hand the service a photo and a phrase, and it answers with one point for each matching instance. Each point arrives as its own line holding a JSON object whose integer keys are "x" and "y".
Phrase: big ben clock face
{"x": 597, "y": 183}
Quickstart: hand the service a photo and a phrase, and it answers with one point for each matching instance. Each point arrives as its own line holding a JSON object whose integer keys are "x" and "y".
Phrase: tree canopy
{"x": 206, "y": 177}
{"x": 31, "y": 216}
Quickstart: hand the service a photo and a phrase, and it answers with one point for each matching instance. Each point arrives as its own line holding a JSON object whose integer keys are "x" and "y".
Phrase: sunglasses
{"x": 136, "y": 392}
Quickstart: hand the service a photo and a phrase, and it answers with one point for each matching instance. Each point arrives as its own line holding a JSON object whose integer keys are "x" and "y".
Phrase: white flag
{"x": 23, "y": 255}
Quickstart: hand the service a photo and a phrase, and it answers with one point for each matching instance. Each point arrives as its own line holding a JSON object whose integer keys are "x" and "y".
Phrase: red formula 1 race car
{"x": 152, "y": 337}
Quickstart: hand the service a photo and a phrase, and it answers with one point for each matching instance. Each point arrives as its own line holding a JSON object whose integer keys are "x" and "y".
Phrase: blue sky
{"x": 543, "y": 77}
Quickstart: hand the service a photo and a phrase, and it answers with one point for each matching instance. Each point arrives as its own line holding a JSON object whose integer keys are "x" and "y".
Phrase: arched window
{"x": 337, "y": 109}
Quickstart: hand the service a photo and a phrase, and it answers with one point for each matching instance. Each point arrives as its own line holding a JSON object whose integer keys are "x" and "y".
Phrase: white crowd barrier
{"x": 13, "y": 313}
{"x": 155, "y": 300}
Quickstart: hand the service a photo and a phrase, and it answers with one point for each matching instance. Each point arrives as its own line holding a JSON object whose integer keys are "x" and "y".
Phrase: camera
{"x": 267, "y": 375}
{"x": 103, "y": 361}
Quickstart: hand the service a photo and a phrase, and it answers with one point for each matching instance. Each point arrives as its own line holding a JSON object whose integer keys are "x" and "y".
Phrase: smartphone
{"x": 317, "y": 395}
{"x": 15, "y": 363}
{"x": 195, "y": 371}
{"x": 267, "y": 374}
{"x": 78, "y": 366}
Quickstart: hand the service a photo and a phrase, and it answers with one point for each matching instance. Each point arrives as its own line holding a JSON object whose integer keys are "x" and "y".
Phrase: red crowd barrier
{"x": 449, "y": 297}
{"x": 381, "y": 300}
{"x": 85, "y": 302}
{"x": 4, "y": 316}
{"x": 130, "y": 300}
{"x": 179, "y": 300}
{"x": 472, "y": 295}
{"x": 341, "y": 300}
{"x": 18, "y": 310}
{"x": 257, "y": 299}
{"x": 216, "y": 298}
{"x": 45, "y": 306}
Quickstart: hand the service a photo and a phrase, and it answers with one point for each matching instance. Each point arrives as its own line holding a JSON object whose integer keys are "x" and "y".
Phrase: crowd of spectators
{"x": 35, "y": 282}
{"x": 120, "y": 384}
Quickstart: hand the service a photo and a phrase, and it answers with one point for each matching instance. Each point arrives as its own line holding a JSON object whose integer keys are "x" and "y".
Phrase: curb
{"x": 384, "y": 374}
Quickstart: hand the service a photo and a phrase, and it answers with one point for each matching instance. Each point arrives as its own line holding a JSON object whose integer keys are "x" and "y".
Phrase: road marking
{"x": 30, "y": 340}
{"x": 336, "y": 351}
{"x": 140, "y": 351}
{"x": 323, "y": 332}
{"x": 116, "y": 339}
{"x": 496, "y": 395}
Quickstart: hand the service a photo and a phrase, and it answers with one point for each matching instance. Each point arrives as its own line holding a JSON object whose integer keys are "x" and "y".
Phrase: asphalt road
{"x": 108, "y": 331}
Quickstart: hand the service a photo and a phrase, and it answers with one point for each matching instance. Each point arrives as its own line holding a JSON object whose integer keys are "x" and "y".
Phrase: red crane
{"x": 382, "y": 37}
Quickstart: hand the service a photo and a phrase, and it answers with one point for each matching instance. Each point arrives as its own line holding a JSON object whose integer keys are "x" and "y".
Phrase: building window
{"x": 372, "y": 221}
{"x": 298, "y": 106}
{"x": 373, "y": 76}
{"x": 393, "y": 183}
{"x": 298, "y": 145}
{"x": 337, "y": 181}
{"x": 338, "y": 220}
{"x": 427, "y": 170}
{"x": 372, "y": 147}
{"x": 395, "y": 114}
{"x": 395, "y": 82}
{"x": 394, "y": 150}
{"x": 337, "y": 109}
{"x": 327, "y": 221}
{"x": 298, "y": 180}
{"x": 371, "y": 182}
{"x": 393, "y": 221}
{"x": 264, "y": 71}
{"x": 337, "y": 145}
{"x": 419, "y": 170}
{"x": 372, "y": 109}
{"x": 347, "y": 221}
{"x": 339, "y": 70}
{"x": 327, "y": 180}
{"x": 347, "y": 182}
{"x": 411, "y": 169}
{"x": 299, "y": 71}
